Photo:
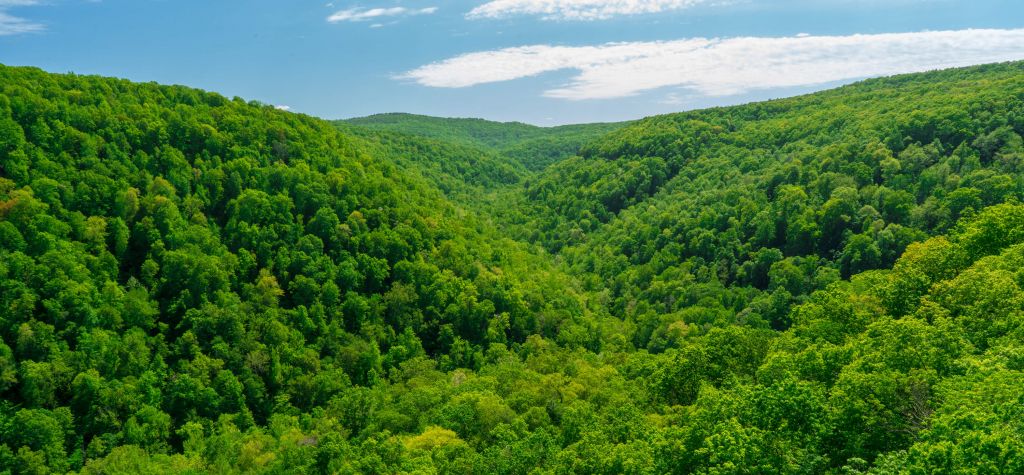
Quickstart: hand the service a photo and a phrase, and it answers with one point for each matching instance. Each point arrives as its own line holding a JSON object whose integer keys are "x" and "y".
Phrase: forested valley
{"x": 831, "y": 283}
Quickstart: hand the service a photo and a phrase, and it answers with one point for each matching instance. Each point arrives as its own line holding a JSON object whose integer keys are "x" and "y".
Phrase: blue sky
{"x": 539, "y": 61}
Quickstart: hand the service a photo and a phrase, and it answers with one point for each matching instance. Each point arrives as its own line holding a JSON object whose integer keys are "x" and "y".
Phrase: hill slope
{"x": 757, "y": 205}
{"x": 527, "y": 145}
{"x": 822, "y": 284}
{"x": 170, "y": 258}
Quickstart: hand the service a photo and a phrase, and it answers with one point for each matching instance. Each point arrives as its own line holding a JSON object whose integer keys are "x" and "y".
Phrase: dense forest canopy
{"x": 530, "y": 146}
{"x": 825, "y": 284}
{"x": 759, "y": 205}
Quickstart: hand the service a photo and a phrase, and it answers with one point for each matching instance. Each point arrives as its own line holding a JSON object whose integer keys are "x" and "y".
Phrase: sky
{"x": 545, "y": 62}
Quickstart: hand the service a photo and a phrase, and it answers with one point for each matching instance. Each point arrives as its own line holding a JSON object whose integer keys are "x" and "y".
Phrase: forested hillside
{"x": 735, "y": 214}
{"x": 526, "y": 145}
{"x": 824, "y": 284}
{"x": 175, "y": 263}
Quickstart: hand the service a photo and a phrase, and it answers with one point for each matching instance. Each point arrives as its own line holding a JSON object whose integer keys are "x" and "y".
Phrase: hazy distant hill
{"x": 534, "y": 147}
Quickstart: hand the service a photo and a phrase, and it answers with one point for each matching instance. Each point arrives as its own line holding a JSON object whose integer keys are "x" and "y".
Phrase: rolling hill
{"x": 531, "y": 146}
{"x": 828, "y": 283}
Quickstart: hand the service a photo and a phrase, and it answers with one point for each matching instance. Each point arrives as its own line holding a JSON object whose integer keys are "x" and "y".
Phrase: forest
{"x": 831, "y": 283}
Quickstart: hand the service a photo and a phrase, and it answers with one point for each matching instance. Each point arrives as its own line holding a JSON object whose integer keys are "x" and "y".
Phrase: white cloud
{"x": 359, "y": 14}
{"x": 13, "y": 25}
{"x": 283, "y": 108}
{"x": 584, "y": 10}
{"x": 723, "y": 67}
{"x": 578, "y": 9}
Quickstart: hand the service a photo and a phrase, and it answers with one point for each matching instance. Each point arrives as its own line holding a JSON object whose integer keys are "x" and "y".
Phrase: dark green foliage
{"x": 173, "y": 261}
{"x": 824, "y": 284}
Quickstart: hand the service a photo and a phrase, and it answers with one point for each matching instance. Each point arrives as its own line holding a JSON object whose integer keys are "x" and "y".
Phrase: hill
{"x": 530, "y": 146}
{"x": 173, "y": 261}
{"x": 822, "y": 284}
{"x": 757, "y": 205}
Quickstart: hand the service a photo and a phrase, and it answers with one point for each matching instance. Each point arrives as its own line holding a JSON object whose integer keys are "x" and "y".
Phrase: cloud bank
{"x": 358, "y": 14}
{"x": 577, "y": 9}
{"x": 723, "y": 67}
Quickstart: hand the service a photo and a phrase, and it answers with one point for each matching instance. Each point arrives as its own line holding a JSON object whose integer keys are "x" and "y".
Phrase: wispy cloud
{"x": 360, "y": 14}
{"x": 578, "y": 9}
{"x": 723, "y": 67}
{"x": 14, "y": 25}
